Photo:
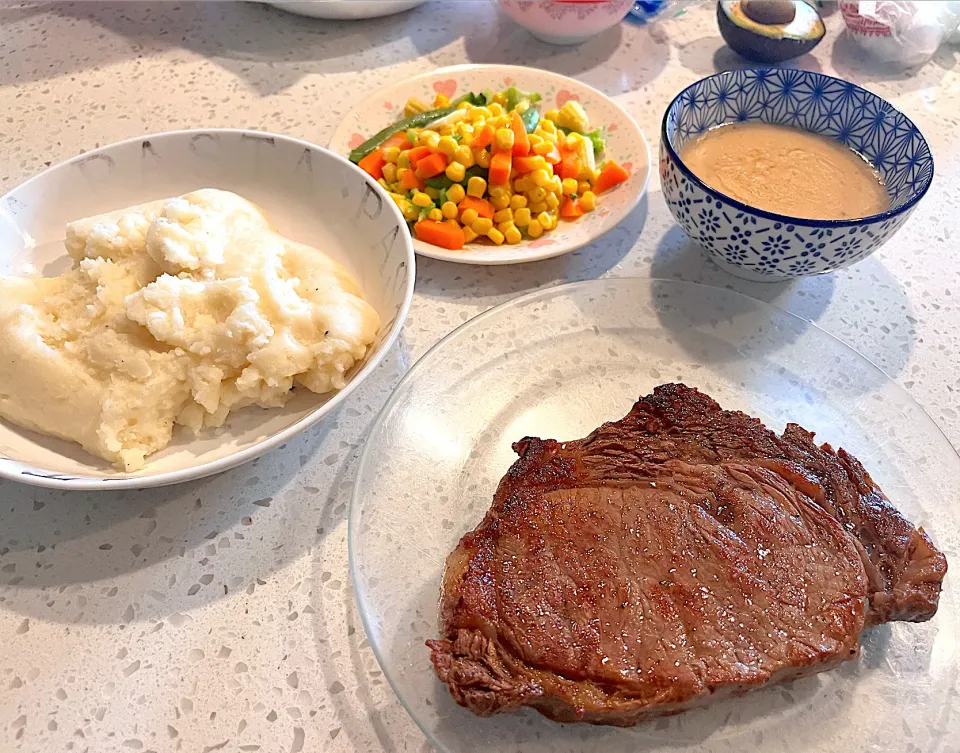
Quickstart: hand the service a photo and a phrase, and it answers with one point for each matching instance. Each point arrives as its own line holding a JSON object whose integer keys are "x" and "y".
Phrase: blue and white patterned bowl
{"x": 765, "y": 246}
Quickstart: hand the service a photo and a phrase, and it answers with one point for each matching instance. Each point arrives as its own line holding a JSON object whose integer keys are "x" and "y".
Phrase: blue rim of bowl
{"x": 784, "y": 218}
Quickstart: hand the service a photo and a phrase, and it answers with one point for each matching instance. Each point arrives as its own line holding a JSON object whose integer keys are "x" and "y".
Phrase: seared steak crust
{"x": 681, "y": 554}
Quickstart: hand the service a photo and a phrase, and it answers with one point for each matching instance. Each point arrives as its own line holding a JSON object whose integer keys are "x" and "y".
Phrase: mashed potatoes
{"x": 175, "y": 312}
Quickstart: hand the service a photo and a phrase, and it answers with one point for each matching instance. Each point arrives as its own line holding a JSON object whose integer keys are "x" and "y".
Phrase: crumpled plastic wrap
{"x": 898, "y": 31}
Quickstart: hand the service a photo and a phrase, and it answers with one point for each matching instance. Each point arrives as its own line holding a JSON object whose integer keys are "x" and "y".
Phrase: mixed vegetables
{"x": 489, "y": 166}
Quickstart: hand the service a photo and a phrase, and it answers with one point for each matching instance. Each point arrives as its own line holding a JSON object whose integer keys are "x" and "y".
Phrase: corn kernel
{"x": 561, "y": 139}
{"x": 447, "y": 145}
{"x": 456, "y": 172}
{"x": 468, "y": 235}
{"x": 390, "y": 154}
{"x": 588, "y": 201}
{"x": 552, "y": 115}
{"x": 504, "y": 215}
{"x": 445, "y": 130}
{"x": 569, "y": 186}
{"x": 522, "y": 106}
{"x": 410, "y": 212}
{"x": 573, "y": 138}
{"x": 534, "y": 229}
{"x": 556, "y": 185}
{"x": 390, "y": 173}
{"x": 482, "y": 225}
{"x": 469, "y": 216}
{"x": 520, "y": 185}
{"x": 478, "y": 114}
{"x": 521, "y": 217}
{"x": 536, "y": 195}
{"x": 383, "y": 183}
{"x": 426, "y": 136}
{"x": 534, "y": 139}
{"x": 435, "y": 214}
{"x": 504, "y": 139}
{"x": 441, "y": 100}
{"x": 476, "y": 186}
{"x": 504, "y": 225}
{"x": 518, "y": 202}
{"x": 540, "y": 178}
{"x": 544, "y": 219}
{"x": 433, "y": 193}
{"x": 583, "y": 186}
{"x": 551, "y": 138}
{"x": 449, "y": 210}
{"x": 496, "y": 109}
{"x": 546, "y": 123}
{"x": 414, "y": 106}
{"x": 464, "y": 155}
{"x": 404, "y": 160}
{"x": 495, "y": 235}
{"x": 538, "y": 207}
{"x": 482, "y": 158}
{"x": 421, "y": 199}
{"x": 552, "y": 201}
{"x": 464, "y": 129}
{"x": 498, "y": 190}
{"x": 456, "y": 193}
{"x": 501, "y": 201}
{"x": 464, "y": 105}
{"x": 544, "y": 147}
{"x": 513, "y": 236}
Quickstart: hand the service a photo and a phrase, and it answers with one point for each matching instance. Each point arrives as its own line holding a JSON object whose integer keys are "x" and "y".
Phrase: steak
{"x": 682, "y": 554}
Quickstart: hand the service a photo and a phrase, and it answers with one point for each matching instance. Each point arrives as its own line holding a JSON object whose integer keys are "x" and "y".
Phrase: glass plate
{"x": 559, "y": 362}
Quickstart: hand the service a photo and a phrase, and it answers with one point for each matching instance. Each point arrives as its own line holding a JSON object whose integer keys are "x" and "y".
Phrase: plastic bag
{"x": 905, "y": 33}
{"x": 646, "y": 11}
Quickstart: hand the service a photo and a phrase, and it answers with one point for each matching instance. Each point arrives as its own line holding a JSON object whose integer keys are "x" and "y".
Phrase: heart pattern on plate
{"x": 564, "y": 96}
{"x": 355, "y": 141}
{"x": 447, "y": 88}
{"x": 625, "y": 143}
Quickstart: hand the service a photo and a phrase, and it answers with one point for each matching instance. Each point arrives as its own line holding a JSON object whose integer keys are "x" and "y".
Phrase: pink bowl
{"x": 566, "y": 21}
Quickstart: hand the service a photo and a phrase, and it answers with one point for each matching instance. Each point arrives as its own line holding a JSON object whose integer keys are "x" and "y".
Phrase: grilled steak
{"x": 679, "y": 555}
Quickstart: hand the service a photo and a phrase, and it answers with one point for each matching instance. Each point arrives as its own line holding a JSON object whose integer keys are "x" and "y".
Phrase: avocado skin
{"x": 759, "y": 48}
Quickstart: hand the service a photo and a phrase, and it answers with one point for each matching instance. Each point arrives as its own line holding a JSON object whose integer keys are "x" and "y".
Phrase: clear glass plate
{"x": 559, "y": 362}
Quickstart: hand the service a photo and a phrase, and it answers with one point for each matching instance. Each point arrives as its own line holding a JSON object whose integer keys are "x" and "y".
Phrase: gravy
{"x": 786, "y": 170}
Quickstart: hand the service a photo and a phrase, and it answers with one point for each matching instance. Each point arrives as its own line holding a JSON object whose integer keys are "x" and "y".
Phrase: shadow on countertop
{"x": 271, "y": 50}
{"x": 856, "y": 65}
{"x": 884, "y": 332}
{"x": 488, "y": 286}
{"x": 708, "y": 55}
{"x": 267, "y": 48}
{"x": 142, "y": 556}
{"x": 637, "y": 55}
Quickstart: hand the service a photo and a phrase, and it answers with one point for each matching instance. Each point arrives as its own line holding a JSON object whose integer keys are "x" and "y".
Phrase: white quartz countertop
{"x": 218, "y": 615}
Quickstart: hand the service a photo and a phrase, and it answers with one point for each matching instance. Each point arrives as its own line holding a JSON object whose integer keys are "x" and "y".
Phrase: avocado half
{"x": 769, "y": 31}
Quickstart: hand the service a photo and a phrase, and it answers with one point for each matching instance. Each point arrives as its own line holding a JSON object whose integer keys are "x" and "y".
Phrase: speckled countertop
{"x": 218, "y": 615}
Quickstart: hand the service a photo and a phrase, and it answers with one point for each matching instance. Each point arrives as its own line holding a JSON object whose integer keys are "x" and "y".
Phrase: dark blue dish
{"x": 761, "y": 245}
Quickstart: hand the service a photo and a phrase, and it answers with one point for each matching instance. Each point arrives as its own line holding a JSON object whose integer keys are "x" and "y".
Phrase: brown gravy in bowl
{"x": 786, "y": 170}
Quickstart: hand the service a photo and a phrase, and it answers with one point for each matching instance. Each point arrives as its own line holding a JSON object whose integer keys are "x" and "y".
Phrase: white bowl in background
{"x": 310, "y": 194}
{"x": 345, "y": 10}
{"x": 566, "y": 21}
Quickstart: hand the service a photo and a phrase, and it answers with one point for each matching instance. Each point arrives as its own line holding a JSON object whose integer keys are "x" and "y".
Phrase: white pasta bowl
{"x": 310, "y": 194}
